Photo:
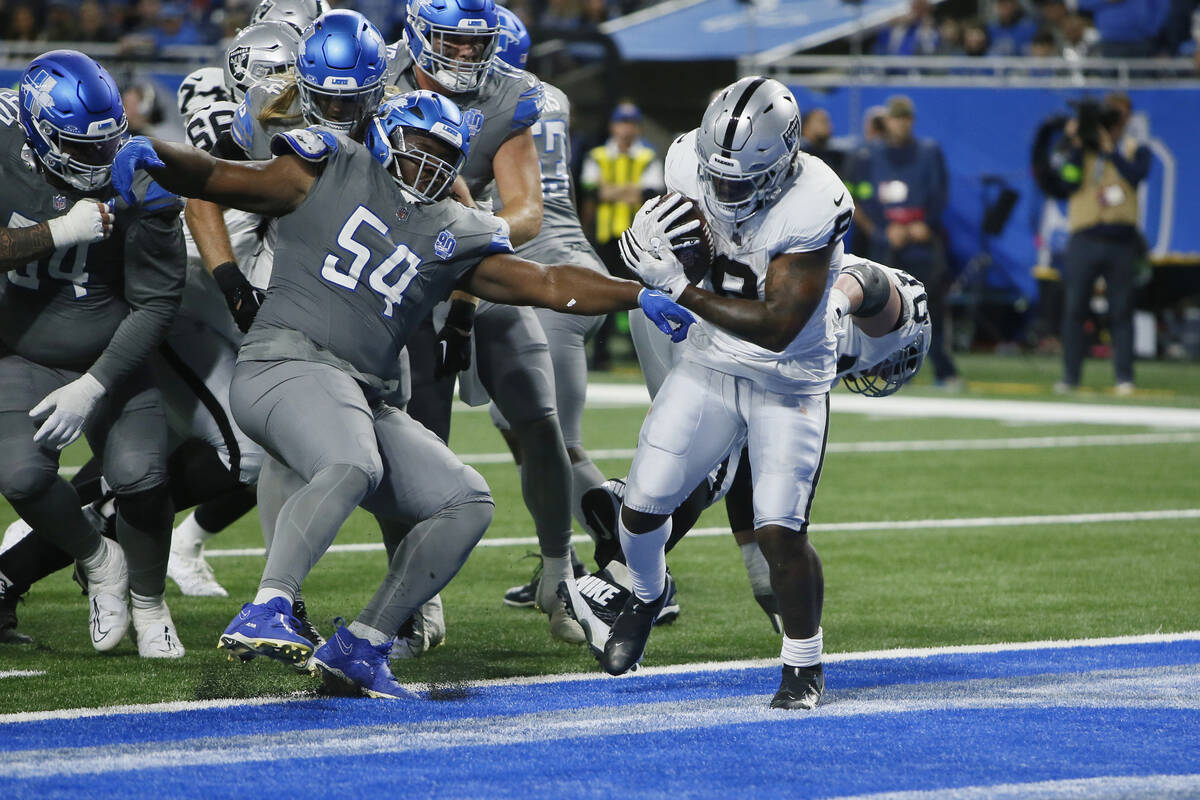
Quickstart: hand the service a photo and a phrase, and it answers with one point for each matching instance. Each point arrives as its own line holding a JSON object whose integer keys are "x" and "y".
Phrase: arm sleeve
{"x": 154, "y": 273}
{"x": 1135, "y": 170}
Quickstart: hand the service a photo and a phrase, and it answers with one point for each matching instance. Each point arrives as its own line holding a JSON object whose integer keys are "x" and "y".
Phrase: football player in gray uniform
{"x": 560, "y": 241}
{"x": 364, "y": 252}
{"x": 449, "y": 48}
{"x": 88, "y": 295}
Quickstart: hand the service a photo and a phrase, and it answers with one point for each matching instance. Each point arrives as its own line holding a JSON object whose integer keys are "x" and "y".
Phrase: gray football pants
{"x": 347, "y": 451}
{"x": 127, "y": 431}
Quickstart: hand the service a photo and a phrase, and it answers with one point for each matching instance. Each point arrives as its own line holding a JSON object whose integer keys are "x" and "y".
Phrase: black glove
{"x": 242, "y": 298}
{"x": 455, "y": 339}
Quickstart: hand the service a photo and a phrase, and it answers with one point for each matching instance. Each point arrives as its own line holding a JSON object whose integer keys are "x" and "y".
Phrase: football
{"x": 694, "y": 249}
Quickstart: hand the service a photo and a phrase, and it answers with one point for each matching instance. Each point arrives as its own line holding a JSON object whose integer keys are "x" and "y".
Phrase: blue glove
{"x": 135, "y": 154}
{"x": 670, "y": 317}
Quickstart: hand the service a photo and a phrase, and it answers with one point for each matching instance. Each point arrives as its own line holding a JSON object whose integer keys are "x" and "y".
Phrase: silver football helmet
{"x": 259, "y": 50}
{"x": 297, "y": 13}
{"x": 747, "y": 145}
{"x": 912, "y": 337}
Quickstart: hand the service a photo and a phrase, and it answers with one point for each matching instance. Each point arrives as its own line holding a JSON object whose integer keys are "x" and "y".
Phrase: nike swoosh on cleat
{"x": 97, "y": 634}
{"x": 838, "y": 202}
{"x": 345, "y": 650}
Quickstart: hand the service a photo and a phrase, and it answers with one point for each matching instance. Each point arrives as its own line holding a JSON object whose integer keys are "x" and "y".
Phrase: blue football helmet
{"x": 73, "y": 117}
{"x": 452, "y": 41}
{"x": 340, "y": 69}
{"x": 426, "y": 130}
{"x": 513, "y": 42}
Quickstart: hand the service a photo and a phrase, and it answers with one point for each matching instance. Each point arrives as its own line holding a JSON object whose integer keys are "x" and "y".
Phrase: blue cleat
{"x": 266, "y": 629}
{"x": 356, "y": 661}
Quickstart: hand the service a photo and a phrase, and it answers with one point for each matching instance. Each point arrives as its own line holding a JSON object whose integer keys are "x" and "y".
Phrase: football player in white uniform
{"x": 757, "y": 371}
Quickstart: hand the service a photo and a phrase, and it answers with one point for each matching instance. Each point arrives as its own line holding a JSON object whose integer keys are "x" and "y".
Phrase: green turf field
{"x": 884, "y": 588}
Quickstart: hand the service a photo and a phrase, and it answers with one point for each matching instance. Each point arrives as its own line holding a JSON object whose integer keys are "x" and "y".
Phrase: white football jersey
{"x": 858, "y": 351}
{"x": 813, "y": 211}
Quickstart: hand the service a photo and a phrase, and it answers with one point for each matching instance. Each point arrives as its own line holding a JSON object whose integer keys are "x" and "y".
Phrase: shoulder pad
{"x": 530, "y": 104}
{"x": 242, "y": 128}
{"x": 313, "y": 144}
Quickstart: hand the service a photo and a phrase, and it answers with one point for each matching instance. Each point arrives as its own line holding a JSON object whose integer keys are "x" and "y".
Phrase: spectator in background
{"x": 976, "y": 40}
{"x": 93, "y": 25}
{"x": 1011, "y": 32}
{"x": 1127, "y": 28}
{"x": 1099, "y": 175}
{"x": 22, "y": 25}
{"x": 900, "y": 189}
{"x": 1052, "y": 14}
{"x": 950, "y": 37}
{"x": 595, "y": 13}
{"x": 1079, "y": 37}
{"x": 61, "y": 22}
{"x": 816, "y": 129}
{"x": 912, "y": 35}
{"x": 1044, "y": 45}
{"x": 617, "y": 177}
{"x": 174, "y": 27}
{"x": 874, "y": 124}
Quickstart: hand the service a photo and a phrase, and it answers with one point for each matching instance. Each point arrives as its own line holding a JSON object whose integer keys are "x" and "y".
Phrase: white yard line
{"x": 22, "y": 673}
{"x": 673, "y": 669}
{"x": 1157, "y": 515}
{"x": 1162, "y": 787}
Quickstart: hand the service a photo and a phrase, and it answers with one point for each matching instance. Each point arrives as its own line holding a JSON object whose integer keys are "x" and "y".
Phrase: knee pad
{"x": 875, "y": 285}
{"x": 148, "y": 510}
{"x": 27, "y": 481}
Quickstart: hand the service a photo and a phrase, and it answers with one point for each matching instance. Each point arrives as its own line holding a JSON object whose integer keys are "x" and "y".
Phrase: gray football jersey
{"x": 248, "y": 129}
{"x": 357, "y": 266}
{"x": 64, "y": 310}
{"x": 509, "y": 101}
{"x": 561, "y": 239}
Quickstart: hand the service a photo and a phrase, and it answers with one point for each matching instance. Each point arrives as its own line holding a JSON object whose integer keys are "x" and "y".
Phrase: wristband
{"x": 228, "y": 277}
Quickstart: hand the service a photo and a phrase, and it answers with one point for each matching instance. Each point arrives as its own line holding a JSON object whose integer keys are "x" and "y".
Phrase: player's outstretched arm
{"x": 794, "y": 287}
{"x": 273, "y": 188}
{"x": 872, "y": 318}
{"x": 514, "y": 281}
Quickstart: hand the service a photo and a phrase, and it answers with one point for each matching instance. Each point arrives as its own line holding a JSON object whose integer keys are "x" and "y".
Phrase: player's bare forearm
{"x": 572, "y": 290}
{"x": 794, "y": 287}
{"x": 273, "y": 187}
{"x": 19, "y": 246}
{"x": 207, "y": 223}
{"x": 519, "y": 183}
{"x": 879, "y": 324}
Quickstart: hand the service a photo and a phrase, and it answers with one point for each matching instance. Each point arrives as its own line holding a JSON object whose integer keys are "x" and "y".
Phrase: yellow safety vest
{"x": 618, "y": 169}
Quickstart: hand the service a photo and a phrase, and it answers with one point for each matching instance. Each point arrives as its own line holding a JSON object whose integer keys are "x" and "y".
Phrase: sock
{"x": 141, "y": 602}
{"x": 802, "y": 652}
{"x": 372, "y": 635}
{"x": 554, "y": 571}
{"x": 646, "y": 557}
{"x": 188, "y": 539}
{"x": 97, "y": 559}
{"x": 756, "y": 569}
{"x": 266, "y": 595}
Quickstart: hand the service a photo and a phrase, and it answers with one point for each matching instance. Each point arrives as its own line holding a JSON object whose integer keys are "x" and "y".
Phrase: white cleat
{"x": 15, "y": 533}
{"x": 108, "y": 590}
{"x": 425, "y": 630}
{"x": 193, "y": 576}
{"x": 155, "y": 632}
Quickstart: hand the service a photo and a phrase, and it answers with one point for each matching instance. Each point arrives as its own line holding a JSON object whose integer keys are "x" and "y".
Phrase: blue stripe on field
{"x": 798, "y": 757}
{"x": 320, "y": 714}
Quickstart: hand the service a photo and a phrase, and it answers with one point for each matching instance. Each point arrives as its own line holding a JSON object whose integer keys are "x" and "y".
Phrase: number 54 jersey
{"x": 357, "y": 265}
{"x": 813, "y": 212}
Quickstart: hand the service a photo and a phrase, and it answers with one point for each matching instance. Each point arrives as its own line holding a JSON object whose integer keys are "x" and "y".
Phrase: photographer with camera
{"x": 1097, "y": 169}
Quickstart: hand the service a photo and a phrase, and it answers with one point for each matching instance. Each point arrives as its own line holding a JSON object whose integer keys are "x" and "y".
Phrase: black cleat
{"x": 8, "y": 622}
{"x": 801, "y": 687}
{"x": 630, "y": 631}
{"x": 601, "y": 507}
{"x": 525, "y": 595}
{"x": 770, "y": 607}
{"x": 306, "y": 629}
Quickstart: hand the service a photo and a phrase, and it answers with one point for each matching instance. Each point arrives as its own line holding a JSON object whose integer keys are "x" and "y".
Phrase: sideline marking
{"x": 1157, "y": 515}
{"x": 898, "y": 653}
{"x": 22, "y": 673}
{"x": 1159, "y": 786}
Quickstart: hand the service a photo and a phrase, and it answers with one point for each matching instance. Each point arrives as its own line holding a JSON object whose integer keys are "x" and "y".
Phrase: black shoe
{"x": 627, "y": 643}
{"x": 8, "y": 622}
{"x": 801, "y": 687}
{"x": 600, "y": 509}
{"x": 306, "y": 628}
{"x": 525, "y": 595}
{"x": 770, "y": 607}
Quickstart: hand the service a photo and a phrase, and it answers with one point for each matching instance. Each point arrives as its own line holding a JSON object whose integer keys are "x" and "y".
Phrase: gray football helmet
{"x": 747, "y": 145}
{"x": 259, "y": 50}
{"x": 297, "y": 13}
{"x": 914, "y": 331}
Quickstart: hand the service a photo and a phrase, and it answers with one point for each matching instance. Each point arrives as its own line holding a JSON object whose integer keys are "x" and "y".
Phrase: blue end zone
{"x": 934, "y": 722}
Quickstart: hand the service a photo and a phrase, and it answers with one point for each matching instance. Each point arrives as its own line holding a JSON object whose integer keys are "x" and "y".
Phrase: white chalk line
{"x": 1157, "y": 515}
{"x": 21, "y": 673}
{"x": 1176, "y": 687}
{"x": 891, "y": 654}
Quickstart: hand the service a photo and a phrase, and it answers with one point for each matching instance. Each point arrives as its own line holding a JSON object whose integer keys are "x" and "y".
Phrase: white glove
{"x": 88, "y": 221}
{"x": 658, "y": 269}
{"x": 69, "y": 409}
